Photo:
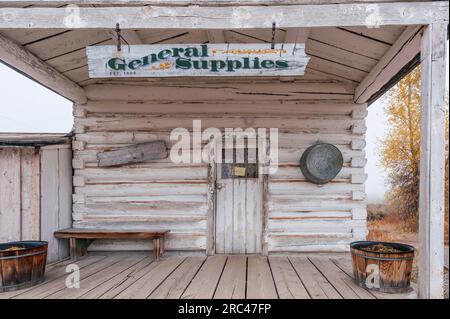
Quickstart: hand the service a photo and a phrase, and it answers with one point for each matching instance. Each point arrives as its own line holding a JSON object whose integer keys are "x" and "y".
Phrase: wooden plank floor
{"x": 219, "y": 277}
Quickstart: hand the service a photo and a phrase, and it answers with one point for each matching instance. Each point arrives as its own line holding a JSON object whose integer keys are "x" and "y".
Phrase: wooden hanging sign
{"x": 169, "y": 60}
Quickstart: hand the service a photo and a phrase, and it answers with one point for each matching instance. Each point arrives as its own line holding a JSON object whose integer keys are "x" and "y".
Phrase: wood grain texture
{"x": 196, "y": 17}
{"x": 10, "y": 195}
{"x": 287, "y": 282}
{"x": 133, "y": 154}
{"x": 260, "y": 284}
{"x": 31, "y": 193}
{"x": 233, "y": 280}
{"x": 432, "y": 159}
{"x": 205, "y": 282}
{"x": 317, "y": 285}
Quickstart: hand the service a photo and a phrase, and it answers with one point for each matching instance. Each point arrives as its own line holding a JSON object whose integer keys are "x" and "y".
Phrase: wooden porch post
{"x": 432, "y": 159}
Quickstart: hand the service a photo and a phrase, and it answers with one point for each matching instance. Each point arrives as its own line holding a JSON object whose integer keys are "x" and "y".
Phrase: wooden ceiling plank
{"x": 27, "y": 63}
{"x": 23, "y": 37}
{"x": 401, "y": 53}
{"x": 216, "y": 36}
{"x": 337, "y": 69}
{"x": 350, "y": 42}
{"x": 296, "y": 35}
{"x": 387, "y": 34}
{"x": 336, "y": 54}
{"x": 66, "y": 43}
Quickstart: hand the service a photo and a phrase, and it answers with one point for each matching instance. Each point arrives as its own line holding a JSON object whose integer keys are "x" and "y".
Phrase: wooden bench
{"x": 80, "y": 239}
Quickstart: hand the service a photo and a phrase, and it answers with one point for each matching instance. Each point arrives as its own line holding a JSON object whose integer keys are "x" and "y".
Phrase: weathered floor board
{"x": 175, "y": 285}
{"x": 204, "y": 284}
{"x": 260, "y": 284}
{"x": 343, "y": 284}
{"x": 289, "y": 285}
{"x": 316, "y": 284}
{"x": 233, "y": 280}
{"x": 219, "y": 277}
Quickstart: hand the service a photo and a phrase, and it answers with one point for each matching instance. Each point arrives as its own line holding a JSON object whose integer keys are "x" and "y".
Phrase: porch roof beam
{"x": 237, "y": 17}
{"x": 399, "y": 54}
{"x": 24, "y": 3}
{"x": 28, "y": 64}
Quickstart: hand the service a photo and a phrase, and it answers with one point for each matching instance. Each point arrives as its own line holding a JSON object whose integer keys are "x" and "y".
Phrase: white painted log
{"x": 141, "y": 123}
{"x": 147, "y": 189}
{"x": 24, "y": 61}
{"x": 432, "y": 162}
{"x": 216, "y": 92}
{"x": 306, "y": 188}
{"x": 264, "y": 108}
{"x": 248, "y": 17}
{"x": 399, "y": 54}
{"x": 358, "y": 178}
{"x": 288, "y": 172}
{"x": 358, "y": 144}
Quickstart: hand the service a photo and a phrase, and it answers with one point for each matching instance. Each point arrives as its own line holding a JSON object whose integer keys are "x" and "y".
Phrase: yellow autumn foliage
{"x": 400, "y": 149}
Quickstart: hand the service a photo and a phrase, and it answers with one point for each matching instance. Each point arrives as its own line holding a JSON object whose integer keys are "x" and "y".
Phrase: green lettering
{"x": 200, "y": 64}
{"x": 115, "y": 65}
{"x": 267, "y": 64}
{"x": 164, "y": 54}
{"x": 191, "y": 52}
{"x": 282, "y": 64}
{"x": 134, "y": 64}
{"x": 256, "y": 63}
{"x": 233, "y": 64}
{"x": 204, "y": 50}
{"x": 216, "y": 65}
{"x": 176, "y": 52}
{"x": 183, "y": 63}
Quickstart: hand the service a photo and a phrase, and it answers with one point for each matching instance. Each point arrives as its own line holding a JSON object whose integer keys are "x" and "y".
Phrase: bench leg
{"x": 73, "y": 248}
{"x": 161, "y": 247}
{"x": 156, "y": 248}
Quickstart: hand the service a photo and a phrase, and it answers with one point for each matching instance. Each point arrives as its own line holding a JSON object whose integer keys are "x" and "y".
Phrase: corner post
{"x": 432, "y": 161}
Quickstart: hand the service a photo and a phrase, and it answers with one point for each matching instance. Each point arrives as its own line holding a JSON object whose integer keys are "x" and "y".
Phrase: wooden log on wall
{"x": 133, "y": 154}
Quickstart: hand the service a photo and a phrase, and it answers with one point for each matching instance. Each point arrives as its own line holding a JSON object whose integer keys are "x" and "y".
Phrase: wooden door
{"x": 238, "y": 204}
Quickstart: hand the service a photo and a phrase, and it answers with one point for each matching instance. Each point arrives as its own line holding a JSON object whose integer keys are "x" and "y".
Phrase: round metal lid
{"x": 320, "y": 163}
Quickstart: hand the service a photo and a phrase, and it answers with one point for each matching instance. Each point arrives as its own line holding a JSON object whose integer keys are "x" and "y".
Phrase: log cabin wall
{"x": 299, "y": 216}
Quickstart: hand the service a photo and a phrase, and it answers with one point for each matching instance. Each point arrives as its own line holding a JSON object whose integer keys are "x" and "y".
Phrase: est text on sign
{"x": 197, "y": 60}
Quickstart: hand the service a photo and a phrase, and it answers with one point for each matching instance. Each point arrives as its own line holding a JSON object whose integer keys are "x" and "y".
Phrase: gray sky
{"x": 26, "y": 106}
